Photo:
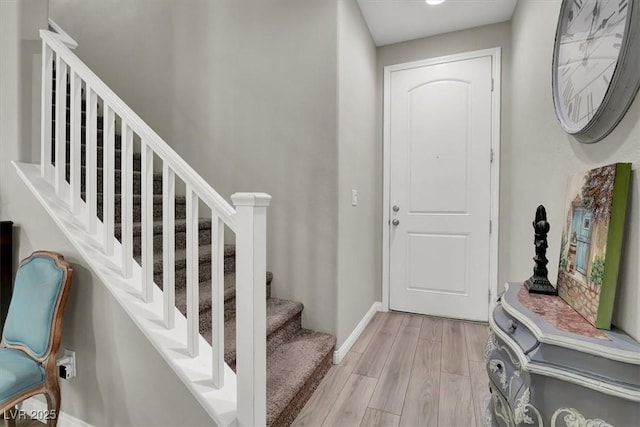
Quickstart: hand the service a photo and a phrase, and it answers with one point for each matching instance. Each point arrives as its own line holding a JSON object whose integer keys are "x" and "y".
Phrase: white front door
{"x": 440, "y": 124}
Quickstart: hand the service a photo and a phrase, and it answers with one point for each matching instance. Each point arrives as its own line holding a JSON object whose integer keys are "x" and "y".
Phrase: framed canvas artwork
{"x": 591, "y": 244}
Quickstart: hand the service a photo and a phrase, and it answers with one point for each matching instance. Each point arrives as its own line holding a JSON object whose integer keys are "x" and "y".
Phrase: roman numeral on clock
{"x": 576, "y": 111}
{"x": 590, "y": 104}
{"x": 622, "y": 5}
{"x": 568, "y": 91}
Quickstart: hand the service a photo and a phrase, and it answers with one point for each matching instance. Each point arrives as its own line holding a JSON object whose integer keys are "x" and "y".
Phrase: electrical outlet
{"x": 354, "y": 197}
{"x": 67, "y": 365}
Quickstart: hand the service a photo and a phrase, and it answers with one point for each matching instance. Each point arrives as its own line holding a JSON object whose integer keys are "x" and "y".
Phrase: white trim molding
{"x": 496, "y": 99}
{"x": 64, "y": 36}
{"x": 340, "y": 353}
{"x": 34, "y": 407}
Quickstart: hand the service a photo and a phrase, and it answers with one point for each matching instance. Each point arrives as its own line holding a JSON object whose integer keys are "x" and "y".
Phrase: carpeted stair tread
{"x": 84, "y": 132}
{"x": 204, "y": 235}
{"x": 136, "y": 173}
{"x": 204, "y": 257}
{"x": 294, "y": 370}
{"x": 136, "y": 164}
{"x": 137, "y": 180}
{"x": 156, "y": 208}
{"x": 137, "y": 199}
{"x": 279, "y": 313}
{"x": 230, "y": 285}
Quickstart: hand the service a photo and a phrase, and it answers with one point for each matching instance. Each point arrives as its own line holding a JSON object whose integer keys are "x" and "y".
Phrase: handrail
{"x": 213, "y": 199}
{"x": 64, "y": 37}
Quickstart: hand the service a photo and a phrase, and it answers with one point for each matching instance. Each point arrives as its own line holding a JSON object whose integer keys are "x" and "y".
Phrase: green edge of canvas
{"x": 614, "y": 245}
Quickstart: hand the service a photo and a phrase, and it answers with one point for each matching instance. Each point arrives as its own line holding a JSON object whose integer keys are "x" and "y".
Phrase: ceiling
{"x": 393, "y": 21}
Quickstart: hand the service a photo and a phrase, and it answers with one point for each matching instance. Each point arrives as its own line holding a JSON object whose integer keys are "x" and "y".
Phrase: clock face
{"x": 589, "y": 41}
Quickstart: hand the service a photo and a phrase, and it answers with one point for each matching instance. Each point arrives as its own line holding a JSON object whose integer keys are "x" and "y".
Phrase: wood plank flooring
{"x": 409, "y": 371}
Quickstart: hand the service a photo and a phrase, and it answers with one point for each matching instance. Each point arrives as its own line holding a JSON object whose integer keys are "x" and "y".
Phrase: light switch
{"x": 354, "y": 197}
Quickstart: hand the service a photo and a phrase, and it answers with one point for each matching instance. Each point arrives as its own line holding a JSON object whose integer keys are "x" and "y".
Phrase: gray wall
{"x": 245, "y": 91}
{"x": 540, "y": 156}
{"x": 359, "y": 228}
{"x": 488, "y": 36}
{"x": 121, "y": 379}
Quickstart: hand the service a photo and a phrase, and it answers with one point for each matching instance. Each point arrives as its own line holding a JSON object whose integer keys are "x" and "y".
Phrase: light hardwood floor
{"x": 406, "y": 370}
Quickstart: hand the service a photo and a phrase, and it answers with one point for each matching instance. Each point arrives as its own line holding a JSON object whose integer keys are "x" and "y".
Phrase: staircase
{"x": 173, "y": 247}
{"x": 297, "y": 358}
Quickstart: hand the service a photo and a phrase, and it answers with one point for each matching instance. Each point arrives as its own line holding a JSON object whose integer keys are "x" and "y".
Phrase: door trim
{"x": 496, "y": 61}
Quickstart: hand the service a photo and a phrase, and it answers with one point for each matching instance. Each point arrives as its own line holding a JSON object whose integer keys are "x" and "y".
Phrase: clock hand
{"x": 594, "y": 18}
{"x": 604, "y": 22}
{"x": 585, "y": 44}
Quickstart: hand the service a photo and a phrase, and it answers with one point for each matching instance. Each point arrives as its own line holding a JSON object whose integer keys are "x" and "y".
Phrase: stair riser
{"x": 230, "y": 304}
{"x": 83, "y": 114}
{"x": 288, "y": 416}
{"x": 137, "y": 159}
{"x": 204, "y": 271}
{"x": 83, "y": 126}
{"x": 83, "y": 132}
{"x": 137, "y": 182}
{"x": 181, "y": 210}
{"x": 137, "y": 163}
{"x": 205, "y": 299}
{"x": 274, "y": 340}
{"x": 204, "y": 238}
{"x": 205, "y": 310}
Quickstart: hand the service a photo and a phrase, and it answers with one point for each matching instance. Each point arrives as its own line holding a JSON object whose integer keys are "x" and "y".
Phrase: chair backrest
{"x": 34, "y": 320}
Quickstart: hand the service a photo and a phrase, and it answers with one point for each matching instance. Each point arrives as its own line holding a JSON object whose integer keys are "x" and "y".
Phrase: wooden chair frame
{"x": 50, "y": 388}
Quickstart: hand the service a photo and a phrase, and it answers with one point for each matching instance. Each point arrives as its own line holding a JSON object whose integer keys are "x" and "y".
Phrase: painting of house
{"x": 592, "y": 240}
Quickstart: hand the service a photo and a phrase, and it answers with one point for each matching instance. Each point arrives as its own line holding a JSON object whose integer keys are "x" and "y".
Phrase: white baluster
{"x": 251, "y": 306}
{"x": 61, "y": 126}
{"x": 147, "y": 223}
{"x": 126, "y": 198}
{"x": 108, "y": 178}
{"x": 45, "y": 112}
{"x": 217, "y": 299}
{"x": 193, "y": 308}
{"x": 91, "y": 188}
{"x": 75, "y": 142}
{"x": 168, "y": 244}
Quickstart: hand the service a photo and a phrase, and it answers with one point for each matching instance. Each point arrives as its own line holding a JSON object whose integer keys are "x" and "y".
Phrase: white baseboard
{"x": 34, "y": 407}
{"x": 340, "y": 353}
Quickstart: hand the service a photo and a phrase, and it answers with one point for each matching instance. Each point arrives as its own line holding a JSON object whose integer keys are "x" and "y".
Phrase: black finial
{"x": 539, "y": 283}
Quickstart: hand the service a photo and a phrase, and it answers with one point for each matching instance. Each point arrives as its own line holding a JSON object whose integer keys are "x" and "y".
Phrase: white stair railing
{"x": 247, "y": 220}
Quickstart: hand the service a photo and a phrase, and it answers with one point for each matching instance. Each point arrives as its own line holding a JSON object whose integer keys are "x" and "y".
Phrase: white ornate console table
{"x": 548, "y": 366}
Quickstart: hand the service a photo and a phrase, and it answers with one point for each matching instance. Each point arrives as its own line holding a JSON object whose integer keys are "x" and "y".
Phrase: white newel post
{"x": 251, "y": 307}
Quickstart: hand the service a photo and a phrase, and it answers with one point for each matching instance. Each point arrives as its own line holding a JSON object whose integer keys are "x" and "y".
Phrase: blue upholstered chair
{"x": 32, "y": 332}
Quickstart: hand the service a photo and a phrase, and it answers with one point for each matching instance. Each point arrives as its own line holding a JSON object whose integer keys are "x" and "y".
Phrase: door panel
{"x": 440, "y": 172}
{"x": 446, "y": 272}
{"x": 439, "y": 161}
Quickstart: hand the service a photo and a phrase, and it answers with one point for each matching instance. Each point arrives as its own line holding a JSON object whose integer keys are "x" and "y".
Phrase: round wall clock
{"x": 596, "y": 65}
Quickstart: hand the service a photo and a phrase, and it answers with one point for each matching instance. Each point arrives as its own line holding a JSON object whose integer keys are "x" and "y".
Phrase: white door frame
{"x": 494, "y": 155}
